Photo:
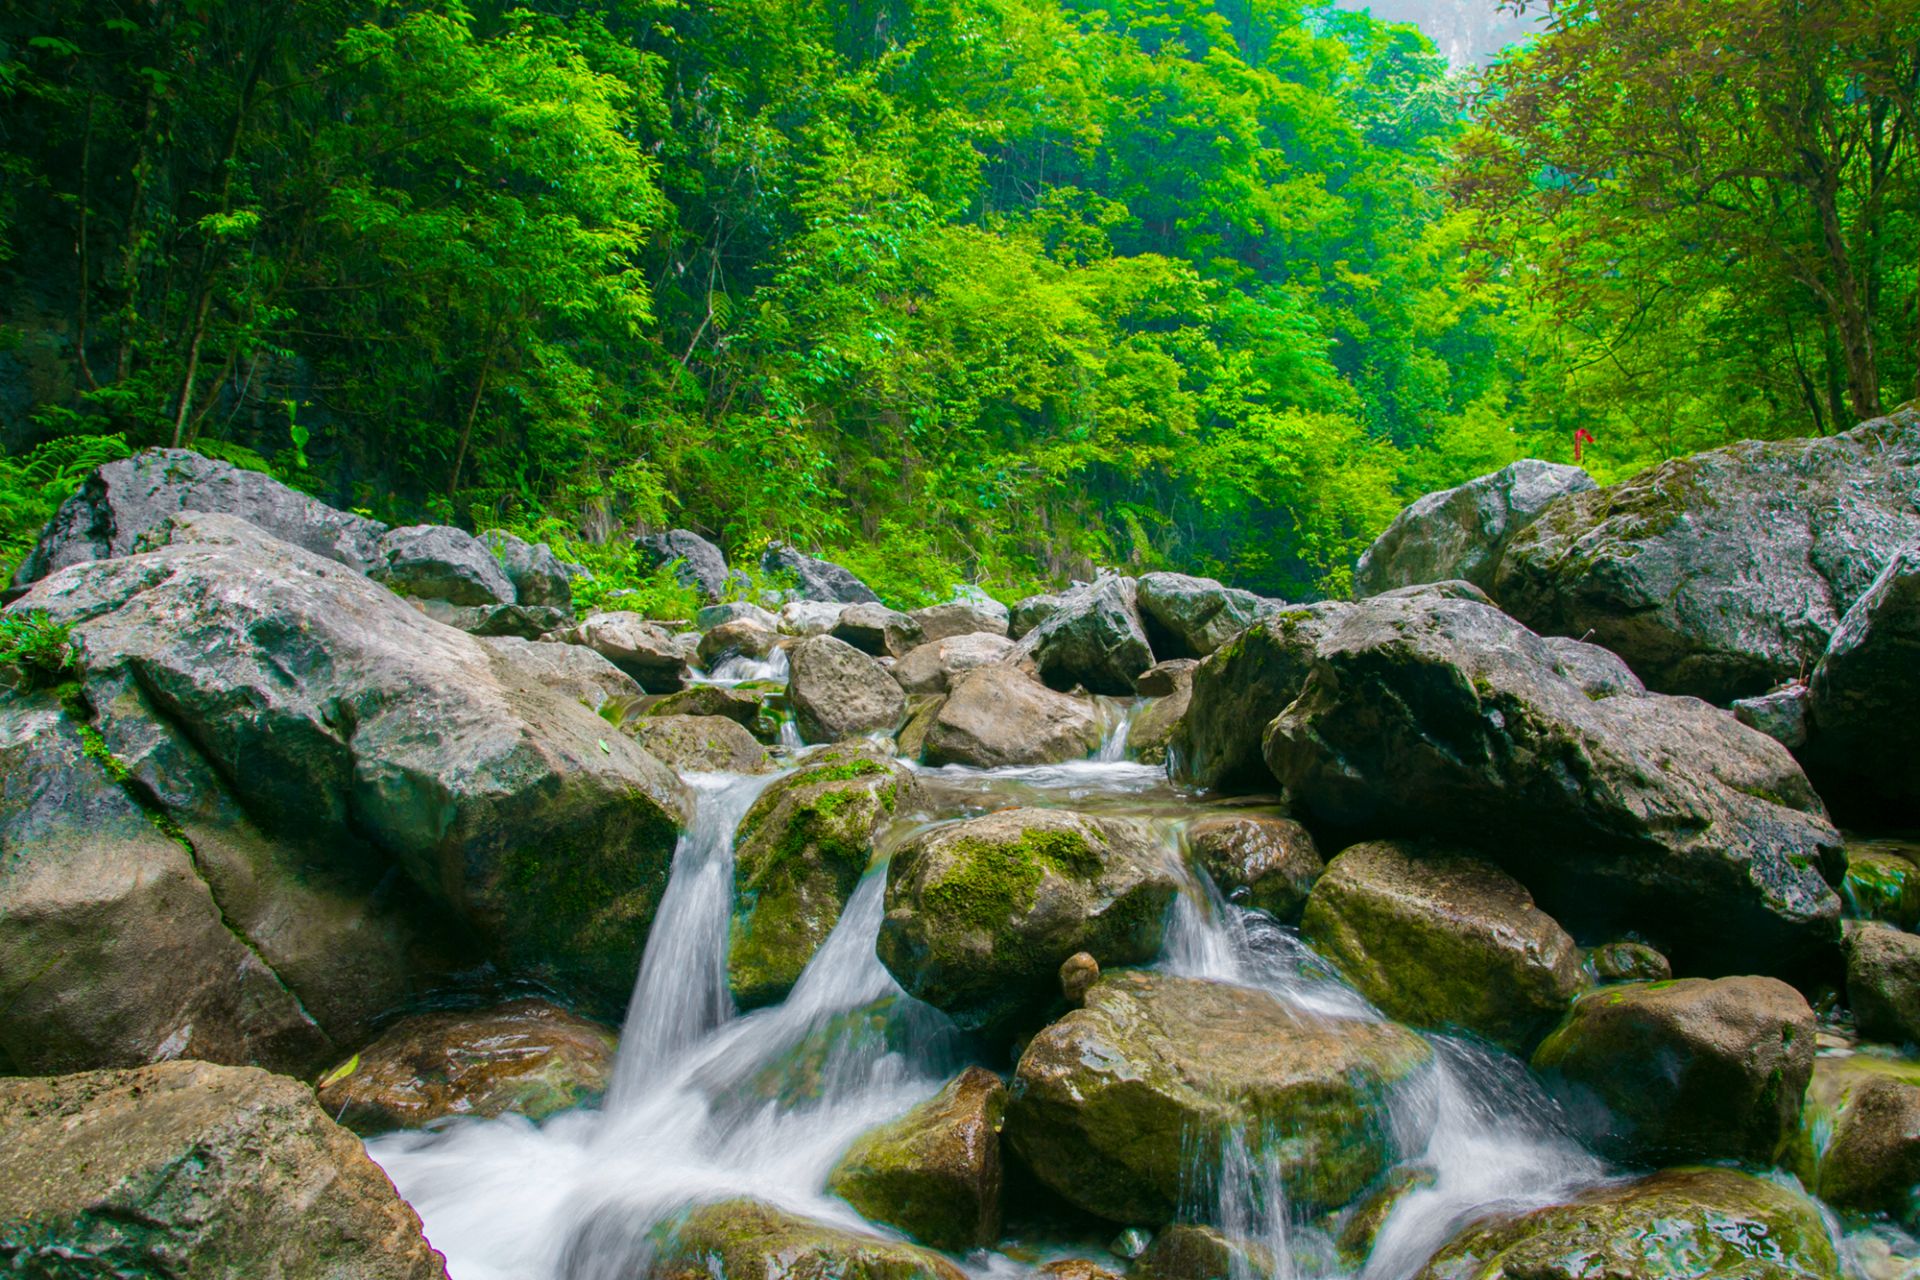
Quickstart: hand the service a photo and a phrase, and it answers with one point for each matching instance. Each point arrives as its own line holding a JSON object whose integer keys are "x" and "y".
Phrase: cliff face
{"x": 1469, "y": 32}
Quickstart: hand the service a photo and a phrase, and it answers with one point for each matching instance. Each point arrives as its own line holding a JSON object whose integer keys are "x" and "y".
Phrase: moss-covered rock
{"x": 1883, "y": 981}
{"x": 1627, "y": 961}
{"x": 748, "y": 1240}
{"x": 1189, "y": 1251}
{"x": 1440, "y": 939}
{"x": 981, "y": 913}
{"x": 1157, "y": 724}
{"x": 528, "y": 1057}
{"x": 921, "y": 712}
{"x": 1683, "y": 1224}
{"x": 1258, "y": 860}
{"x": 1697, "y": 1069}
{"x": 1111, "y": 1102}
{"x": 1859, "y": 1142}
{"x": 1883, "y": 881}
{"x": 740, "y": 704}
{"x": 798, "y": 854}
{"x": 700, "y": 744}
{"x": 935, "y": 1172}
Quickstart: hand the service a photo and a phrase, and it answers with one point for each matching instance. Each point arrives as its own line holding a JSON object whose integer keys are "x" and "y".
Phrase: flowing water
{"x": 707, "y": 1104}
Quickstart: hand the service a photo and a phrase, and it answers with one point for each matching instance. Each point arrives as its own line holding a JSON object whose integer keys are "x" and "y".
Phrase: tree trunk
{"x": 1854, "y": 325}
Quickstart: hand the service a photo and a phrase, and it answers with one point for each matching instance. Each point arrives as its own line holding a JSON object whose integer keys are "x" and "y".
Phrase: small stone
{"x": 1628, "y": 962}
{"x": 1078, "y": 972}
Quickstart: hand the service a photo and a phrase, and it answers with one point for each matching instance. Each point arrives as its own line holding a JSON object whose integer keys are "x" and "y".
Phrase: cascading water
{"x": 740, "y": 669}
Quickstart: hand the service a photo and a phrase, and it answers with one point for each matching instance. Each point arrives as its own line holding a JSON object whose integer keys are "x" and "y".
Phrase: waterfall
{"x": 739, "y": 669}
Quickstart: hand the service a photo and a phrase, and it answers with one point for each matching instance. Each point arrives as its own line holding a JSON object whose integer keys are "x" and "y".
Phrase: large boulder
{"x": 643, "y": 649}
{"x": 540, "y": 578}
{"x": 357, "y": 736}
{"x": 981, "y": 616}
{"x": 1094, "y": 639}
{"x": 742, "y": 638}
{"x": 1153, "y": 728}
{"x": 808, "y": 617}
{"x": 715, "y": 615}
{"x": 838, "y": 692}
{"x": 1683, "y": 1224}
{"x": 700, "y": 744}
{"x": 816, "y": 579}
{"x": 1423, "y": 714}
{"x": 1236, "y": 693}
{"x": 697, "y": 563}
{"x": 1723, "y": 574}
{"x": 999, "y": 716}
{"x": 195, "y": 1171}
{"x": 1188, "y": 617}
{"x": 982, "y": 913}
{"x": 748, "y": 1240}
{"x": 1883, "y": 981}
{"x": 1461, "y": 533}
{"x": 1257, "y": 860}
{"x": 799, "y": 852}
{"x": 1030, "y": 612}
{"x": 528, "y": 1057}
{"x": 935, "y": 1172}
{"x": 1859, "y": 1141}
{"x": 1696, "y": 1069}
{"x": 524, "y": 621}
{"x": 1864, "y": 702}
{"x": 1440, "y": 939}
{"x": 122, "y": 502}
{"x": 1113, "y": 1102}
{"x": 936, "y": 665}
{"x": 437, "y": 562}
{"x": 878, "y": 630}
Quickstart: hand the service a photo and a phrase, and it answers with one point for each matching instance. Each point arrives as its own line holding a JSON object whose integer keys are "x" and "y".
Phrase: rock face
{"x": 1684, "y": 1224}
{"x": 1725, "y": 573}
{"x": 1864, "y": 701}
{"x": 934, "y": 666}
{"x": 1190, "y": 617}
{"x": 700, "y": 744}
{"x": 1440, "y": 939}
{"x": 1687, "y": 1070}
{"x": 1029, "y": 613}
{"x": 123, "y": 501}
{"x": 838, "y": 692}
{"x": 1000, "y": 716}
{"x": 192, "y": 1170}
{"x": 249, "y": 684}
{"x": 1859, "y": 1141}
{"x": 1258, "y": 861}
{"x": 878, "y": 630}
{"x": 981, "y": 913}
{"x": 1095, "y": 639}
{"x": 539, "y": 577}
{"x": 961, "y": 618}
{"x": 935, "y": 1172}
{"x": 1781, "y": 715}
{"x": 1461, "y": 533}
{"x": 816, "y": 579}
{"x": 1883, "y": 981}
{"x": 700, "y": 564}
{"x": 644, "y": 650}
{"x": 1237, "y": 692}
{"x": 743, "y": 1239}
{"x": 527, "y": 1056}
{"x": 441, "y": 563}
{"x": 1423, "y": 714}
{"x": 799, "y": 852}
{"x": 1110, "y": 1101}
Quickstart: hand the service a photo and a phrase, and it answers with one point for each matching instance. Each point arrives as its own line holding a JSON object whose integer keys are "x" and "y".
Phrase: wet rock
{"x": 799, "y": 852}
{"x": 1883, "y": 981}
{"x": 1030, "y": 612}
{"x": 1683, "y": 1224}
{"x": 1859, "y": 1142}
{"x": 1108, "y": 1102}
{"x": 743, "y": 638}
{"x": 643, "y": 649}
{"x": 539, "y": 577}
{"x": 935, "y": 665}
{"x": 816, "y": 579}
{"x": 1361, "y": 1230}
{"x": 961, "y": 618}
{"x": 744, "y": 1238}
{"x": 1156, "y": 725}
{"x": 1257, "y": 860}
{"x": 935, "y": 1172}
{"x": 1165, "y": 678}
{"x": 1094, "y": 639}
{"x": 743, "y": 706}
{"x": 1726, "y": 573}
{"x": 838, "y": 692}
{"x": 922, "y": 710}
{"x": 1190, "y": 617}
{"x": 1883, "y": 881}
{"x": 698, "y": 563}
{"x": 1864, "y": 700}
{"x": 1461, "y": 533}
{"x": 1237, "y": 692}
{"x": 1691, "y": 1070}
{"x": 1078, "y": 972}
{"x": 441, "y": 563}
{"x": 981, "y": 913}
{"x": 809, "y": 617}
{"x": 878, "y": 630}
{"x": 700, "y": 744}
{"x": 1628, "y": 962}
{"x": 1667, "y": 816}
{"x": 1440, "y": 939}
{"x": 122, "y": 502}
{"x": 1781, "y": 715}
{"x": 527, "y": 1056}
{"x": 195, "y": 1171}
{"x": 715, "y": 615}
{"x": 1189, "y": 1251}
{"x": 1074, "y": 1269}
{"x": 999, "y": 716}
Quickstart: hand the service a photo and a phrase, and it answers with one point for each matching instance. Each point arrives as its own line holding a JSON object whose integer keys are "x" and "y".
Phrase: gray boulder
{"x": 643, "y": 649}
{"x": 1030, "y": 612}
{"x": 1189, "y": 617}
{"x": 525, "y": 621}
{"x": 1781, "y": 715}
{"x": 1883, "y": 981}
{"x": 436, "y": 562}
{"x": 1095, "y": 639}
{"x": 809, "y": 617}
{"x": 701, "y": 564}
{"x": 998, "y": 715}
{"x": 715, "y": 615}
{"x": 838, "y": 692}
{"x": 742, "y": 638}
{"x": 1727, "y": 573}
{"x": 1238, "y": 690}
{"x": 961, "y": 618}
{"x": 700, "y": 744}
{"x": 539, "y": 577}
{"x": 878, "y": 630}
{"x": 936, "y": 665}
{"x": 1864, "y": 700}
{"x": 816, "y": 579}
{"x": 1461, "y": 533}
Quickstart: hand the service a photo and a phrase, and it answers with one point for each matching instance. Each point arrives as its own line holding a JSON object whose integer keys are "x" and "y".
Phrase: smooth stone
{"x": 961, "y": 618}
{"x": 838, "y": 692}
{"x": 1257, "y": 860}
{"x": 998, "y": 716}
{"x": 934, "y": 1173}
{"x": 700, "y": 744}
{"x": 1883, "y": 981}
{"x": 934, "y": 666}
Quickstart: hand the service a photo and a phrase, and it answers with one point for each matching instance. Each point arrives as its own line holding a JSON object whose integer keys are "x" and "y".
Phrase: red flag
{"x": 1580, "y": 436}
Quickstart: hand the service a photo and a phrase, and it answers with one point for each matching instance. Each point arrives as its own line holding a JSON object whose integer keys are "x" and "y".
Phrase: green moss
{"x": 992, "y": 882}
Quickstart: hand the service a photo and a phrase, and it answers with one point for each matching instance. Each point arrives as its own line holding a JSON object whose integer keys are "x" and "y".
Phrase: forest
{"x": 994, "y": 291}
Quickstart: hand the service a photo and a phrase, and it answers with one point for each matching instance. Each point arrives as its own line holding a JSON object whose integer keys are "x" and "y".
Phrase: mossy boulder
{"x": 700, "y": 744}
{"x": 1258, "y": 860}
{"x": 1883, "y": 881}
{"x": 1111, "y": 1103}
{"x": 1191, "y": 1251}
{"x": 1438, "y": 938}
{"x": 743, "y": 705}
{"x": 1696, "y": 1069}
{"x": 1883, "y": 981}
{"x": 748, "y": 1240}
{"x": 798, "y": 854}
{"x": 1682, "y": 1224}
{"x": 999, "y": 715}
{"x": 935, "y": 1172}
{"x": 1628, "y": 961}
{"x": 981, "y": 913}
{"x": 528, "y": 1057}
{"x": 1859, "y": 1142}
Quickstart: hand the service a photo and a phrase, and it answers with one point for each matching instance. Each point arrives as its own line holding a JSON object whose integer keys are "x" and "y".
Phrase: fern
{"x": 35, "y": 483}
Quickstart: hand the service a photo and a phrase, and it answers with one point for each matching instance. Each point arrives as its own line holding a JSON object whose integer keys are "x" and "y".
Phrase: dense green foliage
{"x": 985, "y": 289}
